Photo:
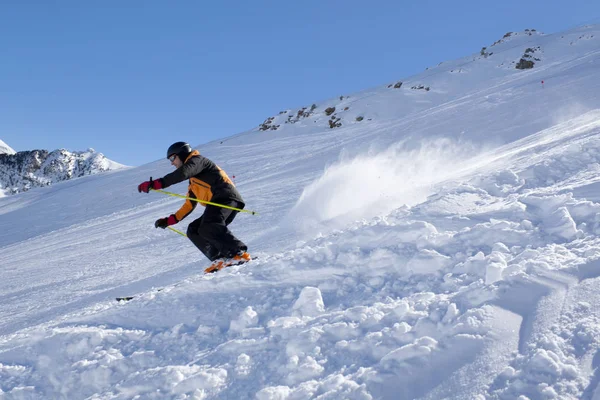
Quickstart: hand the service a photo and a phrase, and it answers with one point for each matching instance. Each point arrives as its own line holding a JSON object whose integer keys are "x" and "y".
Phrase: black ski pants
{"x": 210, "y": 234}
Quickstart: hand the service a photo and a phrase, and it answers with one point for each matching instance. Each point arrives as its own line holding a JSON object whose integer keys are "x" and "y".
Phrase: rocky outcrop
{"x": 528, "y": 58}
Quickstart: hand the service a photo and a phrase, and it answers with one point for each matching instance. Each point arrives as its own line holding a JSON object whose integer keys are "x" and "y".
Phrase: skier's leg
{"x": 213, "y": 229}
{"x": 200, "y": 242}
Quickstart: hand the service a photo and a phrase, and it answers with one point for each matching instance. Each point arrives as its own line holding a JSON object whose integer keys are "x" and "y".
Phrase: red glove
{"x": 146, "y": 186}
{"x": 164, "y": 222}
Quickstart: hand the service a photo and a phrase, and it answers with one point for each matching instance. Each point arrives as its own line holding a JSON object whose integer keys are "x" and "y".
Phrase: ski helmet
{"x": 180, "y": 149}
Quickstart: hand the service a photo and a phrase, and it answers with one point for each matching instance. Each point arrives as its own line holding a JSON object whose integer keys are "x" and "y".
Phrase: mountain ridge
{"x": 25, "y": 170}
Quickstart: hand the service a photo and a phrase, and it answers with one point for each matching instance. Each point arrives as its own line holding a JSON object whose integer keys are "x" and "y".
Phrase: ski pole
{"x": 176, "y": 231}
{"x": 204, "y": 202}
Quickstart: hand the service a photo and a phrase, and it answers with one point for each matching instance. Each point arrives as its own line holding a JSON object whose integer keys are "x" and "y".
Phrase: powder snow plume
{"x": 375, "y": 184}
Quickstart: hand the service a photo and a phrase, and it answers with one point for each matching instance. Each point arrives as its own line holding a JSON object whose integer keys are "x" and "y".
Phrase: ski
{"x": 212, "y": 270}
{"x": 206, "y": 272}
{"x": 128, "y": 298}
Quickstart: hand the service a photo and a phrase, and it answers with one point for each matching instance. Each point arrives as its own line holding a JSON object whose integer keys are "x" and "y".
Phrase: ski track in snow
{"x": 482, "y": 284}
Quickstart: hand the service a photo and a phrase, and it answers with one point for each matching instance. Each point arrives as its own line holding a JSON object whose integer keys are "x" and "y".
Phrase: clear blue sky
{"x": 128, "y": 78}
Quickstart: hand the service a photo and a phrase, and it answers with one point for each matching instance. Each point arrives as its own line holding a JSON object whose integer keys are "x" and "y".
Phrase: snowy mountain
{"x": 6, "y": 149}
{"x": 444, "y": 245}
{"x": 24, "y": 170}
{"x": 448, "y": 81}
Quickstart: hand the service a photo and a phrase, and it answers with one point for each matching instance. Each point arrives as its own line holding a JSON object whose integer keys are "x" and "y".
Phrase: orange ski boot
{"x": 221, "y": 263}
{"x": 217, "y": 265}
{"x": 240, "y": 258}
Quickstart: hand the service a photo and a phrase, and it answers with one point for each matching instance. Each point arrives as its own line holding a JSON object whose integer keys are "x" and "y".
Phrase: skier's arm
{"x": 186, "y": 208}
{"x": 193, "y": 167}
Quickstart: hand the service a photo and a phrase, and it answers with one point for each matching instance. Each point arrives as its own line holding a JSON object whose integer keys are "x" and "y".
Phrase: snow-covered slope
{"x": 444, "y": 246}
{"x": 25, "y": 170}
{"x": 6, "y": 149}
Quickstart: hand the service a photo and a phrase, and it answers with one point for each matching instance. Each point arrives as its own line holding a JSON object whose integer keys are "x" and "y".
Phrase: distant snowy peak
{"x": 6, "y": 149}
{"x": 25, "y": 170}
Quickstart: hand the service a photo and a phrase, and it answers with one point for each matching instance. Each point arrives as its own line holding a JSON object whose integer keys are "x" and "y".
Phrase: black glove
{"x": 164, "y": 222}
{"x": 161, "y": 223}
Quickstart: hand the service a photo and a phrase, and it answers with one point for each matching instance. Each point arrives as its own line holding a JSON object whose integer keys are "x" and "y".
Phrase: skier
{"x": 207, "y": 182}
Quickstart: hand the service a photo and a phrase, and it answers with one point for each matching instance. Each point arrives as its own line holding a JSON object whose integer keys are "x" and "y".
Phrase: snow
{"x": 446, "y": 246}
{"x": 5, "y": 149}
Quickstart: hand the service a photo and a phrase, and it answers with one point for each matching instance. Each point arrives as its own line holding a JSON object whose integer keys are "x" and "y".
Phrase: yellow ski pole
{"x": 204, "y": 202}
{"x": 176, "y": 231}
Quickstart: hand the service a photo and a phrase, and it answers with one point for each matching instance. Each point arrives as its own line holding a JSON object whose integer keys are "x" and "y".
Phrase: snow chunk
{"x": 310, "y": 303}
{"x": 560, "y": 223}
{"x": 501, "y": 248}
{"x": 546, "y": 362}
{"x": 428, "y": 261}
{"x": 274, "y": 393}
{"x": 309, "y": 368}
{"x": 243, "y": 366}
{"x": 451, "y": 313}
{"x": 472, "y": 265}
{"x": 423, "y": 346}
{"x": 247, "y": 318}
{"x": 493, "y": 270}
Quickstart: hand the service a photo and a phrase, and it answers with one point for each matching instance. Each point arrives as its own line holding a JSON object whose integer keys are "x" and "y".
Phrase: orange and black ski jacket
{"x": 208, "y": 182}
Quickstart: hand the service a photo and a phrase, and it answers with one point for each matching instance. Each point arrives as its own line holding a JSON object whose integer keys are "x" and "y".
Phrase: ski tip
{"x": 127, "y": 298}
